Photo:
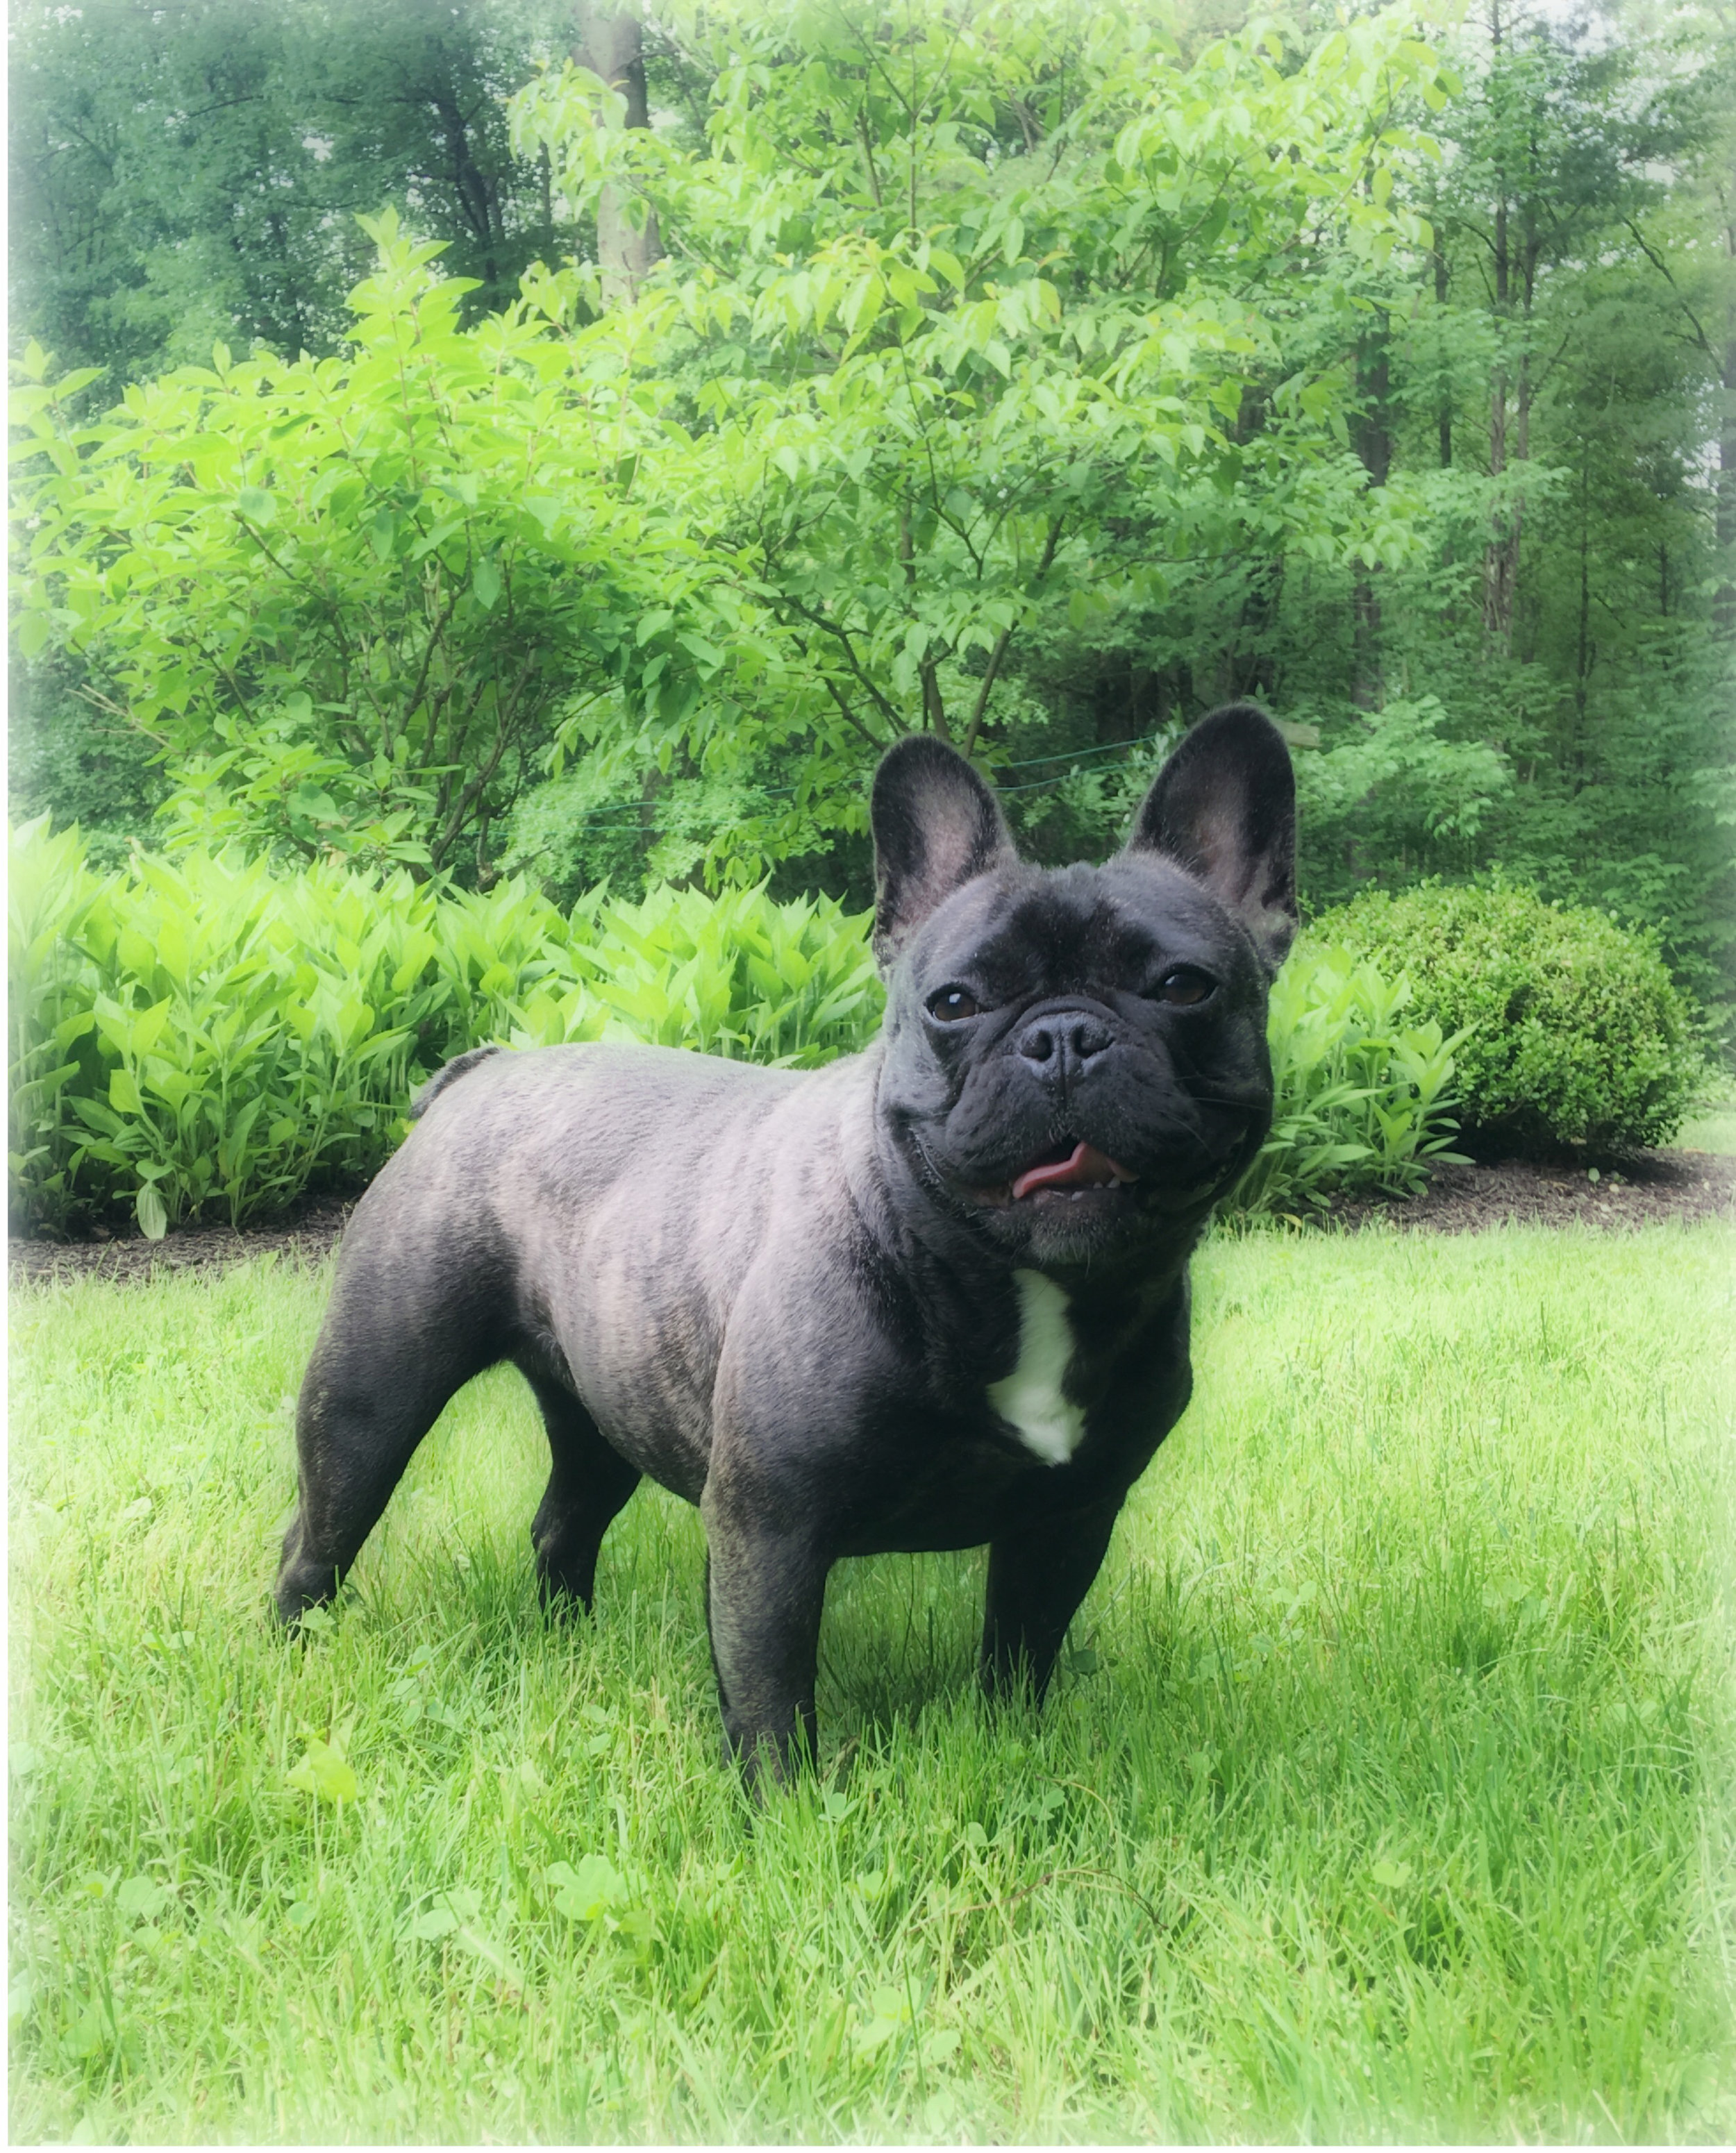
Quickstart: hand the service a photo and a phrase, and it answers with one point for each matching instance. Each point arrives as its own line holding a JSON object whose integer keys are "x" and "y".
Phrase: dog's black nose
{"x": 1063, "y": 1040}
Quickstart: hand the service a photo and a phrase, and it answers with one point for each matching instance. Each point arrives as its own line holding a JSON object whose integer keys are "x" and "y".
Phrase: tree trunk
{"x": 934, "y": 709}
{"x": 1500, "y": 557}
{"x": 1444, "y": 414}
{"x": 1723, "y": 604}
{"x": 1374, "y": 445}
{"x": 1585, "y": 653}
{"x": 1724, "y": 607}
{"x": 611, "y": 45}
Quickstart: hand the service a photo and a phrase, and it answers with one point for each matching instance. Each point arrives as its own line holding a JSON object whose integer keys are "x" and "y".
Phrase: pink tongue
{"x": 1087, "y": 1168}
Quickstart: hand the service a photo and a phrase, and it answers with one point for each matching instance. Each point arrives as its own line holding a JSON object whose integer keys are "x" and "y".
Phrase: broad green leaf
{"x": 587, "y": 1892}
{"x": 325, "y": 1773}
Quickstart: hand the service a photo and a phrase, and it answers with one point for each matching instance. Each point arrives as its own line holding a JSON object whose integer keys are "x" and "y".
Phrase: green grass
{"x": 1713, "y": 1129}
{"x": 1386, "y": 1794}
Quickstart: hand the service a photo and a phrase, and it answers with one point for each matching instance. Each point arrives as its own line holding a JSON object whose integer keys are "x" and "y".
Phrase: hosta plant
{"x": 1362, "y": 1097}
{"x": 201, "y": 1036}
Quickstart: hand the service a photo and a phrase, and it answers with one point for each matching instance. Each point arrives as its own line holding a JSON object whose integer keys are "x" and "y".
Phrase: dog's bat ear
{"x": 936, "y": 826}
{"x": 1224, "y": 806}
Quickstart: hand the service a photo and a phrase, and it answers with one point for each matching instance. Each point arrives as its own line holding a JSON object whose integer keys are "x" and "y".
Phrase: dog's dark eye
{"x": 1184, "y": 987}
{"x": 952, "y": 1003}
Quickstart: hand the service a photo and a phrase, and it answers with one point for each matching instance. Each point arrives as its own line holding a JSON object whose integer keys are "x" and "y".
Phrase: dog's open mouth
{"x": 1070, "y": 1171}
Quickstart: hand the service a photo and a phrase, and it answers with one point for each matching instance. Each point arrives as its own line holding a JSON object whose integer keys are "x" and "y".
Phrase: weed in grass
{"x": 1383, "y": 1792}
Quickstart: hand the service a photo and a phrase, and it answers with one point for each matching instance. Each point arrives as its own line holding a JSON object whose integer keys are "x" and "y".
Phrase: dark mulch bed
{"x": 1660, "y": 1185}
{"x": 307, "y": 1237}
{"x": 1656, "y": 1186}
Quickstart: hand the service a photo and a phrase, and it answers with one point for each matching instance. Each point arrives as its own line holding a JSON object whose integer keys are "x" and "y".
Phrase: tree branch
{"x": 837, "y": 695}
{"x": 1662, "y": 268}
{"x": 998, "y": 653}
{"x": 837, "y": 628}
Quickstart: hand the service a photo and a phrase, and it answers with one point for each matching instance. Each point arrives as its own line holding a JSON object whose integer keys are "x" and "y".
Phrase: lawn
{"x": 1386, "y": 1792}
{"x": 1713, "y": 1129}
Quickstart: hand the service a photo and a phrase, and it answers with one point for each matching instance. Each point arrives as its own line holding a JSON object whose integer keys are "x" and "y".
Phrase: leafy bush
{"x": 1576, "y": 1035}
{"x": 358, "y": 598}
{"x": 202, "y": 1036}
{"x": 735, "y": 975}
{"x": 1361, "y": 1100}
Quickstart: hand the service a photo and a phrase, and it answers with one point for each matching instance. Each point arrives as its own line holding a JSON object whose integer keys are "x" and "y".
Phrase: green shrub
{"x": 1361, "y": 1100}
{"x": 223, "y": 544}
{"x": 736, "y": 974}
{"x": 200, "y": 1036}
{"x": 50, "y": 893}
{"x": 1576, "y": 1035}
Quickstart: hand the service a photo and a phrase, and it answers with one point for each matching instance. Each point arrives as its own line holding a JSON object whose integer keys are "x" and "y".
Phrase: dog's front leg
{"x": 1036, "y": 1581}
{"x": 764, "y": 1589}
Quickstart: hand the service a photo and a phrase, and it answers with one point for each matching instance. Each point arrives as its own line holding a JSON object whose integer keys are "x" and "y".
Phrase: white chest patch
{"x": 1030, "y": 1397}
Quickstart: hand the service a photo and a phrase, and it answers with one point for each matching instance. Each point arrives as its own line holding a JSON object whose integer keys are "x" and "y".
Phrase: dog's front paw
{"x": 770, "y": 1761}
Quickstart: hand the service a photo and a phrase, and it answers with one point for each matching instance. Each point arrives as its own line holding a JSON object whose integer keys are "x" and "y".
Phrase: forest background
{"x": 500, "y": 437}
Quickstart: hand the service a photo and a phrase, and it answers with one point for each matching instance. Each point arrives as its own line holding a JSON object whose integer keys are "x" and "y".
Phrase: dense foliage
{"x": 1365, "y": 1089}
{"x": 191, "y": 173}
{"x": 1034, "y": 378}
{"x": 791, "y": 503}
{"x": 201, "y": 1037}
{"x": 1570, "y": 1029}
{"x": 353, "y": 596}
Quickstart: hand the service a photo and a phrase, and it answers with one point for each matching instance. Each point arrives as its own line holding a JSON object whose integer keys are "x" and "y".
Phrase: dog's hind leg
{"x": 589, "y": 1485}
{"x": 376, "y": 1384}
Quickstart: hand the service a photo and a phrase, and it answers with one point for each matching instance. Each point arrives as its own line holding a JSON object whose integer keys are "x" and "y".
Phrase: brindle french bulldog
{"x": 933, "y": 1296}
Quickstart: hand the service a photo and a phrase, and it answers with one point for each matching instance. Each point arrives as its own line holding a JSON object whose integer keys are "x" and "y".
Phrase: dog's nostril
{"x": 1074, "y": 1038}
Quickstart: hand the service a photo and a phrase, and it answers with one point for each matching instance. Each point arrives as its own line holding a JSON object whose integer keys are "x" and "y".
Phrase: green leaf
{"x": 142, "y": 1898}
{"x": 324, "y": 1772}
{"x": 152, "y": 1215}
{"x": 447, "y": 1913}
{"x": 589, "y": 1891}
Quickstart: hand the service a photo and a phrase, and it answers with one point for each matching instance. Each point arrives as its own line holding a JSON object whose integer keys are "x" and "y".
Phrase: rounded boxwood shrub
{"x": 1581, "y": 1038}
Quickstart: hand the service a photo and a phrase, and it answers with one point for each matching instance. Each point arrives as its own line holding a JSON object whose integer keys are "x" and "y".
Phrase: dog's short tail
{"x": 461, "y": 1065}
